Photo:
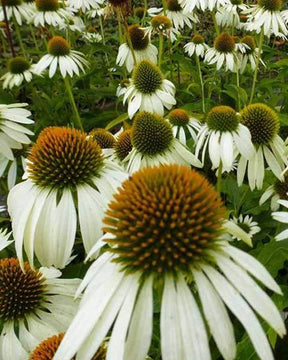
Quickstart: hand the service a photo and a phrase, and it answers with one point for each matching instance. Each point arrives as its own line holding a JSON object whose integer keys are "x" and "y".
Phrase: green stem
{"x": 161, "y": 43}
{"x": 145, "y": 12}
{"x": 219, "y": 177}
{"x": 78, "y": 122}
{"x": 103, "y": 39}
{"x": 19, "y": 36}
{"x": 238, "y": 87}
{"x": 119, "y": 27}
{"x": 215, "y": 23}
{"x": 33, "y": 37}
{"x": 261, "y": 40}
{"x": 201, "y": 83}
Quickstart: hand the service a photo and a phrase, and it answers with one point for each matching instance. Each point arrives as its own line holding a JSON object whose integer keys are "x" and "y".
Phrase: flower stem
{"x": 9, "y": 37}
{"x": 215, "y": 23}
{"x": 201, "y": 83}
{"x": 161, "y": 43}
{"x": 219, "y": 177}
{"x": 119, "y": 27}
{"x": 145, "y": 12}
{"x": 103, "y": 39}
{"x": 78, "y": 122}
{"x": 257, "y": 65}
{"x": 19, "y": 36}
{"x": 33, "y": 37}
{"x": 238, "y": 87}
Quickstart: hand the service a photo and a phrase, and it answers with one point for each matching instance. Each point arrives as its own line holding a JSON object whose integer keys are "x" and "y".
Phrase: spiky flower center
{"x": 18, "y": 65}
{"x": 139, "y": 12}
{"x": 12, "y": 3}
{"x": 250, "y": 41}
{"x": 47, "y": 349}
{"x": 147, "y": 77}
{"x": 151, "y": 134}
{"x": 271, "y": 5}
{"x": 224, "y": 43}
{"x": 64, "y": 157}
{"x": 138, "y": 39}
{"x": 164, "y": 219}
{"x": 123, "y": 144}
{"x": 103, "y": 138}
{"x": 222, "y": 118}
{"x": 58, "y": 46}
{"x": 173, "y": 5}
{"x": 161, "y": 22}
{"x": 178, "y": 117}
{"x": 262, "y": 122}
{"x": 281, "y": 187}
{"x": 20, "y": 293}
{"x": 198, "y": 39}
{"x": 47, "y": 5}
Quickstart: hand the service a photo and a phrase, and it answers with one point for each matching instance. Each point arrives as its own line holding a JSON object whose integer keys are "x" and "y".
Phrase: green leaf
{"x": 120, "y": 119}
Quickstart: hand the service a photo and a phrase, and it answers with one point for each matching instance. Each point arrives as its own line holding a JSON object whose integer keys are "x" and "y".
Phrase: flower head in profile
{"x": 165, "y": 229}
{"x": 85, "y": 5}
{"x": 267, "y": 16}
{"x": 123, "y": 145}
{"x": 33, "y": 305}
{"x": 161, "y": 24}
{"x": 148, "y": 90}
{"x": 63, "y": 163}
{"x": 153, "y": 144}
{"x": 229, "y": 13}
{"x": 60, "y": 55}
{"x": 275, "y": 192}
{"x": 50, "y": 12}
{"x": 248, "y": 53}
{"x": 263, "y": 124}
{"x": 19, "y": 70}
{"x": 222, "y": 53}
{"x": 16, "y": 9}
{"x": 247, "y": 224}
{"x": 196, "y": 46}
{"x": 183, "y": 126}
{"x": 142, "y": 48}
{"x": 224, "y": 137}
{"x": 190, "y": 5}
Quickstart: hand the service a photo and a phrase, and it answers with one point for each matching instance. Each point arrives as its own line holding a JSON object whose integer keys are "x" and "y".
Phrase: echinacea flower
{"x": 225, "y": 137}
{"x": 196, "y": 46}
{"x": 281, "y": 216}
{"x": 50, "y": 12}
{"x": 148, "y": 90}
{"x": 162, "y": 25}
{"x": 142, "y": 48}
{"x": 248, "y": 54}
{"x": 247, "y": 224}
{"x": 278, "y": 191}
{"x": 267, "y": 16}
{"x": 123, "y": 146}
{"x": 183, "y": 125}
{"x": 190, "y": 5}
{"x": 263, "y": 124}
{"x": 34, "y": 305}
{"x": 222, "y": 53}
{"x": 153, "y": 144}
{"x": 228, "y": 14}
{"x": 19, "y": 70}
{"x": 62, "y": 163}
{"x": 165, "y": 233}
{"x": 15, "y": 9}
{"x": 60, "y": 55}
{"x": 85, "y": 5}
{"x": 4, "y": 238}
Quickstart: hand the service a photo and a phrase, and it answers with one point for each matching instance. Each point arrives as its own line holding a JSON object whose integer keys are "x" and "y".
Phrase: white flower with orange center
{"x": 148, "y": 90}
{"x": 85, "y": 5}
{"x": 196, "y": 46}
{"x": 190, "y": 5}
{"x": 61, "y": 56}
{"x": 19, "y": 71}
{"x": 167, "y": 238}
{"x": 142, "y": 48}
{"x": 34, "y": 304}
{"x": 248, "y": 54}
{"x": 50, "y": 12}
{"x": 16, "y": 9}
{"x": 68, "y": 179}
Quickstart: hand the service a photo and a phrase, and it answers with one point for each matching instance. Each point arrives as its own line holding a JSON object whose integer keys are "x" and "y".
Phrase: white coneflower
{"x": 4, "y": 237}
{"x": 196, "y": 46}
{"x": 222, "y": 53}
{"x": 50, "y": 12}
{"x": 19, "y": 70}
{"x": 74, "y": 23}
{"x": 183, "y": 126}
{"x": 190, "y": 5}
{"x": 142, "y": 48}
{"x": 165, "y": 229}
{"x": 62, "y": 163}
{"x": 104, "y": 139}
{"x": 278, "y": 191}
{"x": 281, "y": 216}
{"x": 247, "y": 224}
{"x": 15, "y": 9}
{"x": 224, "y": 137}
{"x": 263, "y": 124}
{"x": 162, "y": 25}
{"x": 92, "y": 36}
{"x": 176, "y": 14}
{"x": 60, "y": 55}
{"x": 248, "y": 53}
{"x": 228, "y": 14}
{"x": 123, "y": 146}
{"x": 122, "y": 87}
{"x": 33, "y": 305}
{"x": 153, "y": 144}
{"x": 148, "y": 90}
{"x": 267, "y": 16}
{"x": 85, "y": 5}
